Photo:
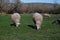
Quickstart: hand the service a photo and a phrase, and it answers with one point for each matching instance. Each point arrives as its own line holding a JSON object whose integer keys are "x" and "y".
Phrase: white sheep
{"x": 38, "y": 18}
{"x": 16, "y": 18}
{"x": 46, "y": 14}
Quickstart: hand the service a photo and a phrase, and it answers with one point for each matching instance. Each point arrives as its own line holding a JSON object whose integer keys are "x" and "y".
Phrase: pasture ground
{"x": 48, "y": 30}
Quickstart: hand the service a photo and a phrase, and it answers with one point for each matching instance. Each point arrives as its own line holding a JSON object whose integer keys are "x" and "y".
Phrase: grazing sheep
{"x": 38, "y": 18}
{"x": 16, "y": 18}
{"x": 48, "y": 15}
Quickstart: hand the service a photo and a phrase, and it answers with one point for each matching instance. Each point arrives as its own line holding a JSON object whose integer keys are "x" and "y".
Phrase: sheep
{"x": 46, "y": 14}
{"x": 16, "y": 19}
{"x": 38, "y": 18}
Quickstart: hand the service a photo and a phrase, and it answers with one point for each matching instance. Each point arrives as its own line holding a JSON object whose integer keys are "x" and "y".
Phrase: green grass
{"x": 48, "y": 30}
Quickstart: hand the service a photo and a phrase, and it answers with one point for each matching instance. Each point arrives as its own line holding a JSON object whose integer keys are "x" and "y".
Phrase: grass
{"x": 48, "y": 30}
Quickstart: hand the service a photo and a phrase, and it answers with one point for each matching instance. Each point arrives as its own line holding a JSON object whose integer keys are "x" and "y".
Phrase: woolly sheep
{"x": 16, "y": 18}
{"x": 48, "y": 15}
{"x": 38, "y": 18}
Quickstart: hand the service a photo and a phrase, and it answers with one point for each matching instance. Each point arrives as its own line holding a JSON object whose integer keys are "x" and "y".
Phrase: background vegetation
{"x": 7, "y": 7}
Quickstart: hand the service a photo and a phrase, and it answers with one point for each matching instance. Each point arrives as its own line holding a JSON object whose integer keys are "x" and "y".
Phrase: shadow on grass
{"x": 56, "y": 22}
{"x": 13, "y": 24}
{"x": 34, "y": 27}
